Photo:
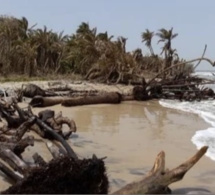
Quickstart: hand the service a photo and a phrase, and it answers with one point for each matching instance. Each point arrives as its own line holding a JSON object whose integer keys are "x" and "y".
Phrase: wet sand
{"x": 131, "y": 135}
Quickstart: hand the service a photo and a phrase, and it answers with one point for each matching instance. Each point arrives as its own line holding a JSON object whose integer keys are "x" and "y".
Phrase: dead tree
{"x": 159, "y": 178}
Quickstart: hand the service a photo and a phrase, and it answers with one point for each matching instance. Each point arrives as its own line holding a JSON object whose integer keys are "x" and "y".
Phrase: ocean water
{"x": 206, "y": 110}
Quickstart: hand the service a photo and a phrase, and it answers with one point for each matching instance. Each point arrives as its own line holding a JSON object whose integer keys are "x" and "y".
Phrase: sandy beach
{"x": 130, "y": 135}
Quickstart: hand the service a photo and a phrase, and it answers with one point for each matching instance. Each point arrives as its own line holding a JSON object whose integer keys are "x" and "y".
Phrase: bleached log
{"x": 158, "y": 179}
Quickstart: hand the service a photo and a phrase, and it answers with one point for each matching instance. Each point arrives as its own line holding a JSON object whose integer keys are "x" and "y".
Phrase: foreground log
{"x": 158, "y": 179}
{"x": 106, "y": 98}
{"x": 14, "y": 161}
{"x": 58, "y": 137}
{"x": 64, "y": 176}
{"x": 12, "y": 121}
{"x": 9, "y": 173}
{"x": 18, "y": 147}
{"x": 55, "y": 150}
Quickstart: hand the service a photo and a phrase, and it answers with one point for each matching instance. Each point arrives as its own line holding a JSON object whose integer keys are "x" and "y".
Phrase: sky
{"x": 193, "y": 20}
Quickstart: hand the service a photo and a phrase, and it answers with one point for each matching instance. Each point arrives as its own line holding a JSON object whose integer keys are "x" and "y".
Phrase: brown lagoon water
{"x": 131, "y": 134}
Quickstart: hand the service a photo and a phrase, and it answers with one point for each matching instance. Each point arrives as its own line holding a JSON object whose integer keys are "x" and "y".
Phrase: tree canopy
{"x": 36, "y": 51}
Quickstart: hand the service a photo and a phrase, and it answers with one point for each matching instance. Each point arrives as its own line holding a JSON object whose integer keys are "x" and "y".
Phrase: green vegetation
{"x": 34, "y": 52}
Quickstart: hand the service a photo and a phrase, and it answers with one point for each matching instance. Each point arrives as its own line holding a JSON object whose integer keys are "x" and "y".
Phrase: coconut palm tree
{"x": 11, "y": 30}
{"x": 50, "y": 46}
{"x": 26, "y": 57}
{"x": 147, "y": 38}
{"x": 104, "y": 36}
{"x": 166, "y": 36}
{"x": 82, "y": 49}
{"x": 23, "y": 27}
{"x": 83, "y": 29}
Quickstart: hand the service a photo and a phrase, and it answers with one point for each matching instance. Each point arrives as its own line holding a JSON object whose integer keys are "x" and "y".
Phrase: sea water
{"x": 206, "y": 110}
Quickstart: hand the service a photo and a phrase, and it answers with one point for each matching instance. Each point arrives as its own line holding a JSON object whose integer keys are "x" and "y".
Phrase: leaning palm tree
{"x": 147, "y": 38}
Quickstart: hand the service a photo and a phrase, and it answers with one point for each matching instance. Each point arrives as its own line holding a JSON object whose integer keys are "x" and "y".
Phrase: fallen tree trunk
{"x": 14, "y": 161}
{"x": 106, "y": 98}
{"x": 10, "y": 174}
{"x": 39, "y": 101}
{"x": 158, "y": 179}
{"x": 58, "y": 137}
{"x": 18, "y": 147}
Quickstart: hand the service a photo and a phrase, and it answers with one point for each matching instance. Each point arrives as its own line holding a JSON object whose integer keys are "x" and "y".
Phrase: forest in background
{"x": 37, "y": 52}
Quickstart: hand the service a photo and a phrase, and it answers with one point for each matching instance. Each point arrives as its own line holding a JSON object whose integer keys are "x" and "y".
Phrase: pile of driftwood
{"x": 180, "y": 87}
{"x": 66, "y": 172}
{"x": 44, "y": 98}
{"x": 183, "y": 88}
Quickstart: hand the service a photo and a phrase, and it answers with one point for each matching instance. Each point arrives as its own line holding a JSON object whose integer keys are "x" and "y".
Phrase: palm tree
{"x": 147, "y": 38}
{"x": 10, "y": 32}
{"x": 83, "y": 29}
{"x": 104, "y": 36}
{"x": 50, "y": 46}
{"x": 26, "y": 57}
{"x": 166, "y": 36}
{"x": 82, "y": 49}
{"x": 23, "y": 27}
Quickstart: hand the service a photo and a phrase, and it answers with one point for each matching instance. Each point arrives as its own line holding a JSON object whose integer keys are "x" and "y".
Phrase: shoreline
{"x": 131, "y": 135}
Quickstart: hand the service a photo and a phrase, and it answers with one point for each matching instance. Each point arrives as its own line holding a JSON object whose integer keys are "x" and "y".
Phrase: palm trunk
{"x": 151, "y": 50}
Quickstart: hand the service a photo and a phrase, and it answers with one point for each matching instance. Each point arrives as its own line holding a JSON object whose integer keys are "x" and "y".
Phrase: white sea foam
{"x": 204, "y": 73}
{"x": 206, "y": 110}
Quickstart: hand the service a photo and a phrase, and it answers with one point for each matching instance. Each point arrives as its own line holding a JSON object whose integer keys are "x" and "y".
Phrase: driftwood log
{"x": 158, "y": 179}
{"x": 32, "y": 90}
{"x": 183, "y": 88}
{"x": 39, "y": 101}
{"x": 106, "y": 98}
